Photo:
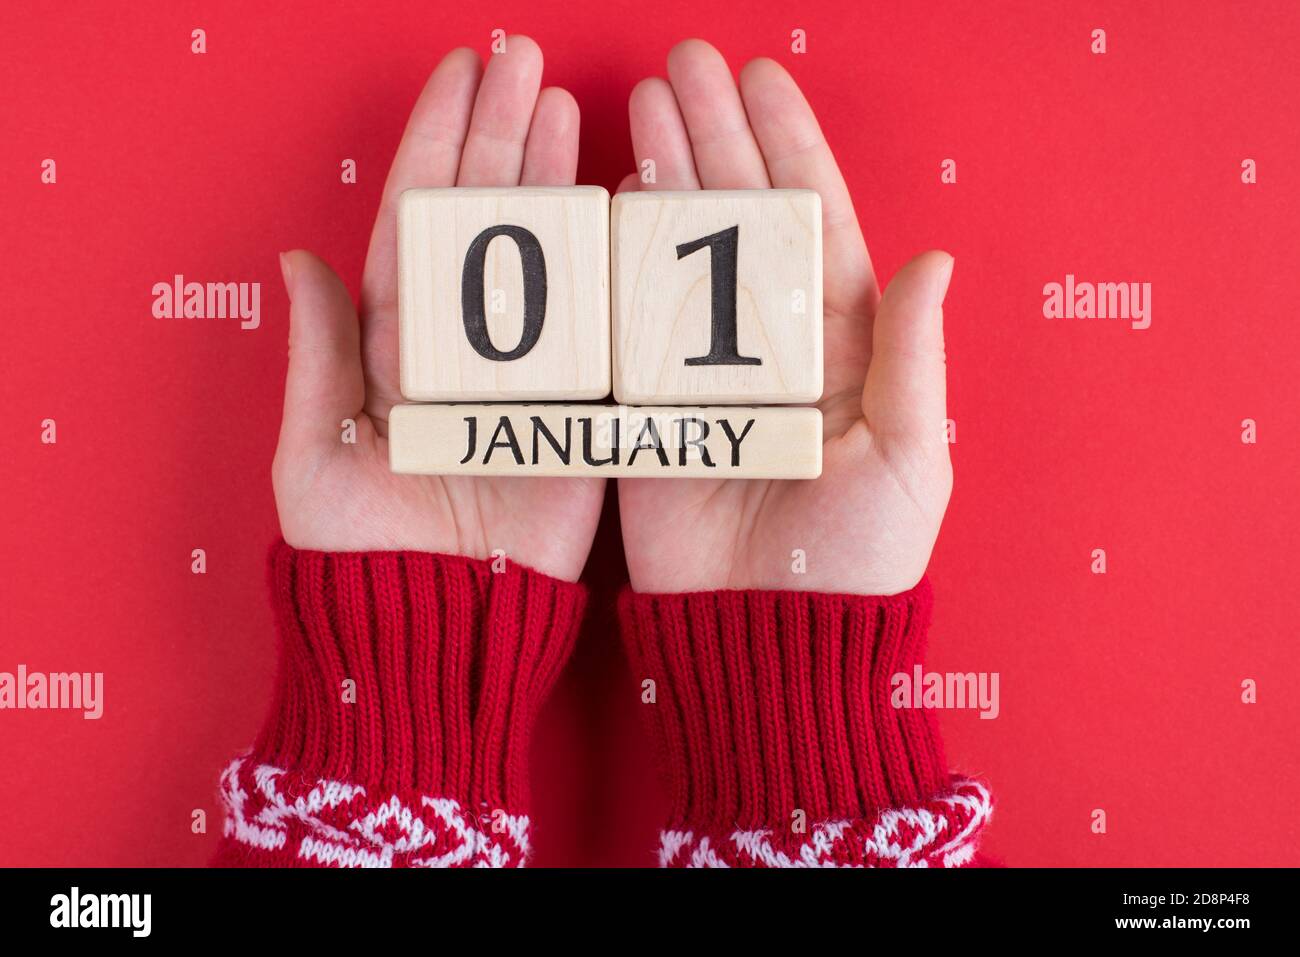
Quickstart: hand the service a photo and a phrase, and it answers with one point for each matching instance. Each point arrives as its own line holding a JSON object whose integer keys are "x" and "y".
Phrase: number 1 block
{"x": 717, "y": 296}
{"x": 503, "y": 294}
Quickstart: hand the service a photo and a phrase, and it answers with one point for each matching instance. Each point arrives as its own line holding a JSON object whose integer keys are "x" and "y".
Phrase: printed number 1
{"x": 724, "y": 350}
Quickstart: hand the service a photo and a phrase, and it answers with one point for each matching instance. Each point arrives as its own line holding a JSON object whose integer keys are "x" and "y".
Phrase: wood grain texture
{"x": 437, "y": 229}
{"x": 626, "y": 441}
{"x": 662, "y": 302}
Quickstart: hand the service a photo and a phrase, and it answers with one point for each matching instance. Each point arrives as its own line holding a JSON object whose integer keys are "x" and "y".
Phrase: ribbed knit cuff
{"x": 767, "y": 703}
{"x": 399, "y": 734}
{"x": 413, "y": 672}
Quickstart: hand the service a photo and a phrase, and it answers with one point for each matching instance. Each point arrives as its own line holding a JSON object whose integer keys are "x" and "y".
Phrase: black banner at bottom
{"x": 381, "y": 908}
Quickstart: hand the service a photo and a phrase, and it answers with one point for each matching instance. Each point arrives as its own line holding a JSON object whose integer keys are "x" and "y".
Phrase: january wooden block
{"x": 504, "y": 293}
{"x": 717, "y": 296}
{"x": 616, "y": 441}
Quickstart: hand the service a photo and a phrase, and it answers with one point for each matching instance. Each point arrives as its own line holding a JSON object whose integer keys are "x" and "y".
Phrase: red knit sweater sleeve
{"x": 408, "y": 685}
{"x": 776, "y": 735}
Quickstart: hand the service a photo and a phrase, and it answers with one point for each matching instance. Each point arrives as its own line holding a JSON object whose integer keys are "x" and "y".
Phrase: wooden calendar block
{"x": 717, "y": 296}
{"x": 617, "y": 441}
{"x": 504, "y": 293}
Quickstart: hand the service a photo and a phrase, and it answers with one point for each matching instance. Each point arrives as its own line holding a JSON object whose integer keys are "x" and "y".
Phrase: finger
{"x": 797, "y": 157}
{"x": 324, "y": 384}
{"x": 726, "y": 156}
{"x": 428, "y": 155}
{"x": 629, "y": 183}
{"x": 660, "y": 143}
{"x": 551, "y": 151}
{"x": 503, "y": 111}
{"x": 905, "y": 393}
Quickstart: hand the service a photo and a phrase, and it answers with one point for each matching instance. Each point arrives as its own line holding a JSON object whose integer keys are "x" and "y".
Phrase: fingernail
{"x": 286, "y": 272}
{"x": 945, "y": 276}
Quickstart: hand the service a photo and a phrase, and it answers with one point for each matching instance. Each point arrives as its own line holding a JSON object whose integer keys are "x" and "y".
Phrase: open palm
{"x": 868, "y": 525}
{"x": 470, "y": 127}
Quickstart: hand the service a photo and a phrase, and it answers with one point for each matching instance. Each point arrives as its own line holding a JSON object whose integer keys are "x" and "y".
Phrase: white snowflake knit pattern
{"x": 944, "y": 832}
{"x": 336, "y": 824}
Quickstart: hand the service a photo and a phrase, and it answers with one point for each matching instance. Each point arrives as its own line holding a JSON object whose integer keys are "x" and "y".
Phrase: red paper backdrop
{"x": 1118, "y": 691}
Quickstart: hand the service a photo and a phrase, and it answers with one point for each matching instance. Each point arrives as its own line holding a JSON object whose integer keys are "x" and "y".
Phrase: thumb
{"x": 325, "y": 383}
{"x": 905, "y": 392}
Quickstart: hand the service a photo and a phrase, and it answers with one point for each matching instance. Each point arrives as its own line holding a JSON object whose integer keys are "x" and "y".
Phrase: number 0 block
{"x": 717, "y": 296}
{"x": 504, "y": 293}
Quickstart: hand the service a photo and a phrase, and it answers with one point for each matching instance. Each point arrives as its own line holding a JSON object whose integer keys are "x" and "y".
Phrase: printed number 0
{"x": 473, "y": 313}
{"x": 723, "y": 347}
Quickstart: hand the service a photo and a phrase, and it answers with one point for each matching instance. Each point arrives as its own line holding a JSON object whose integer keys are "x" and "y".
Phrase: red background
{"x": 1119, "y": 691}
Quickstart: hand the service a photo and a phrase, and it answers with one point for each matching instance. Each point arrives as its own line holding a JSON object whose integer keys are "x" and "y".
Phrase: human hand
{"x": 869, "y": 523}
{"x": 470, "y": 127}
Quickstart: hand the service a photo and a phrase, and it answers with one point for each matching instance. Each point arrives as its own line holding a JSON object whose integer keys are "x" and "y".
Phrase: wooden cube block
{"x": 617, "y": 441}
{"x": 504, "y": 293}
{"x": 717, "y": 296}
